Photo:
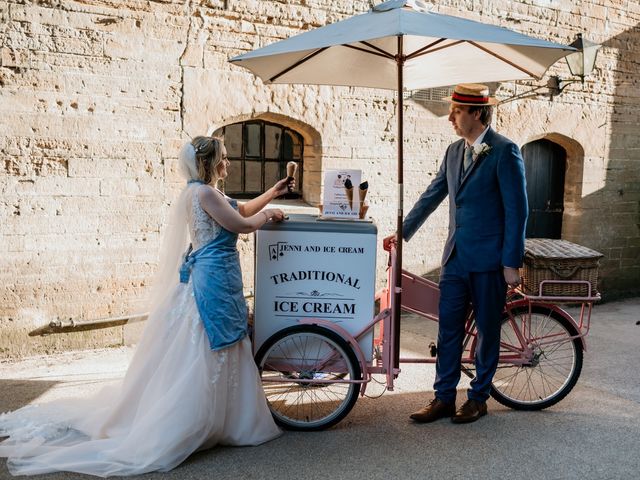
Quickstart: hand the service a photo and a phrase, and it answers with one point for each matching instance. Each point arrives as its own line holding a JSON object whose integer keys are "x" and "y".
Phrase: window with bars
{"x": 258, "y": 153}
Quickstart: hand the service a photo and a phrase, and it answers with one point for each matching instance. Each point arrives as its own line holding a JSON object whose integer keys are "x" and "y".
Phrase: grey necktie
{"x": 468, "y": 158}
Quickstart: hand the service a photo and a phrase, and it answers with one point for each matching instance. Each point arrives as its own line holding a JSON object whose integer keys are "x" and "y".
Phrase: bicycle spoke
{"x": 550, "y": 365}
{"x": 311, "y": 359}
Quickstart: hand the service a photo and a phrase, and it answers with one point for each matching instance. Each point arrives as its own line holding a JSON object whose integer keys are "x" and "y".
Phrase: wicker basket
{"x": 548, "y": 259}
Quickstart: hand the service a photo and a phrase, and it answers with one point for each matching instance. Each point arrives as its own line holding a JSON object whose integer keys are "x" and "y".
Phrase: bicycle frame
{"x": 420, "y": 296}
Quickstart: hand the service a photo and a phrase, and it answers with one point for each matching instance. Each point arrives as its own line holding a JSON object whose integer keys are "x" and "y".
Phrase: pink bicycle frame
{"x": 421, "y": 296}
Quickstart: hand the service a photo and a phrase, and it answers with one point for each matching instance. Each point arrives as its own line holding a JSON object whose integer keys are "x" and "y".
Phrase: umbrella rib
{"x": 421, "y": 51}
{"x": 385, "y": 54}
{"x": 297, "y": 64}
{"x": 499, "y": 57}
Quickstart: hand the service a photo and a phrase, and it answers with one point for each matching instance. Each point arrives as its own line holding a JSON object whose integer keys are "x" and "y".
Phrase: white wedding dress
{"x": 178, "y": 396}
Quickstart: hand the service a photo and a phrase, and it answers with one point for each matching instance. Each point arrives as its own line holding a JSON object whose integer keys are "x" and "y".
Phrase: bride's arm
{"x": 218, "y": 208}
{"x": 254, "y": 205}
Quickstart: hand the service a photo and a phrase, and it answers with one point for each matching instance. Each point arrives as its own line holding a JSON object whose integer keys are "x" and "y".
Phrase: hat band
{"x": 479, "y": 99}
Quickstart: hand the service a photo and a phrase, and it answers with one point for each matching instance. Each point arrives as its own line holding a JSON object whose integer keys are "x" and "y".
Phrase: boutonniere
{"x": 480, "y": 150}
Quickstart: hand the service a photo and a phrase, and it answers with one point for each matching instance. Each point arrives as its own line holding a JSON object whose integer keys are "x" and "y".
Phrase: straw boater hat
{"x": 471, "y": 94}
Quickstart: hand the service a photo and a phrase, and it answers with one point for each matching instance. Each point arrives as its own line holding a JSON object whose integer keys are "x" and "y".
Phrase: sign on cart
{"x": 341, "y": 195}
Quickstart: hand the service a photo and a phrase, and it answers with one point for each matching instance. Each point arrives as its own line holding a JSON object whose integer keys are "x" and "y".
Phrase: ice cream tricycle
{"x": 319, "y": 338}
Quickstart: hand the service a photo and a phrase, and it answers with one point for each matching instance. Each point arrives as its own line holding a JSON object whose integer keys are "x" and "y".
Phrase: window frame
{"x": 280, "y": 160}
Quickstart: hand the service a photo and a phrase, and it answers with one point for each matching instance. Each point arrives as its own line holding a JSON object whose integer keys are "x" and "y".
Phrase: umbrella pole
{"x": 397, "y": 281}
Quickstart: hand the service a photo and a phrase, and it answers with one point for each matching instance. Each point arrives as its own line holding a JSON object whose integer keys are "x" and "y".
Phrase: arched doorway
{"x": 545, "y": 165}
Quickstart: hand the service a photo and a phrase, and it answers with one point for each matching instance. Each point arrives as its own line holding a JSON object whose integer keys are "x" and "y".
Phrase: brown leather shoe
{"x": 436, "y": 410}
{"x": 470, "y": 411}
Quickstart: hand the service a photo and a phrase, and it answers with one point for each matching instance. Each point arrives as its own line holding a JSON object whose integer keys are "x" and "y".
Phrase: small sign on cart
{"x": 341, "y": 198}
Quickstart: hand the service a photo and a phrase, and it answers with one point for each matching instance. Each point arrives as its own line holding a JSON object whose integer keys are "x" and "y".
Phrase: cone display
{"x": 348, "y": 188}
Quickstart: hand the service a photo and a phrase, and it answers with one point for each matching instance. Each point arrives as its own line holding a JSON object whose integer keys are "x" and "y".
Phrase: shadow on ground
{"x": 15, "y": 394}
{"x": 377, "y": 440}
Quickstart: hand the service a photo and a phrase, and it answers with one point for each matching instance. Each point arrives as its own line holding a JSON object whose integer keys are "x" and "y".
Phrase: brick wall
{"x": 96, "y": 98}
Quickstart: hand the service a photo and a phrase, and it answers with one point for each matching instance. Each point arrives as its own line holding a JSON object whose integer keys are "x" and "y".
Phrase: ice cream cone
{"x": 348, "y": 188}
{"x": 363, "y": 188}
{"x": 291, "y": 173}
{"x": 363, "y": 211}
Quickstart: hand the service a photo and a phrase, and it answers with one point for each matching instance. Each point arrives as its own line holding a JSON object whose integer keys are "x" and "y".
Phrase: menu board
{"x": 341, "y": 197}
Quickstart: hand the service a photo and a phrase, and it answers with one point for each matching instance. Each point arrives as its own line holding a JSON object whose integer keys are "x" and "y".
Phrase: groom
{"x": 483, "y": 175}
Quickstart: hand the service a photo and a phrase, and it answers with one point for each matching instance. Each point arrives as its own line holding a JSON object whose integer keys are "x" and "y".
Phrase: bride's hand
{"x": 275, "y": 214}
{"x": 282, "y": 186}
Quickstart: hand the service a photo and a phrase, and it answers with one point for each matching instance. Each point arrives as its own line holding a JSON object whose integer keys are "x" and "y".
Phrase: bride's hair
{"x": 208, "y": 152}
{"x": 200, "y": 159}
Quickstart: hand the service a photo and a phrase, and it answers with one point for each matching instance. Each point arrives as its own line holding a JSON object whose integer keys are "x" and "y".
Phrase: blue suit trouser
{"x": 487, "y": 292}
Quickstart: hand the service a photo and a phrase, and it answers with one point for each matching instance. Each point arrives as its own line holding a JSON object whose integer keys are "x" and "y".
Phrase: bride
{"x": 192, "y": 382}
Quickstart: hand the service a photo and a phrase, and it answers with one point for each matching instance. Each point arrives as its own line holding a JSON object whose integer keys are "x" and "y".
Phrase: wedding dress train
{"x": 178, "y": 396}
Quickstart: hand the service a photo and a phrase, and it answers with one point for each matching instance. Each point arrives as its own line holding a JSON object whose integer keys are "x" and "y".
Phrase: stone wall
{"x": 97, "y": 96}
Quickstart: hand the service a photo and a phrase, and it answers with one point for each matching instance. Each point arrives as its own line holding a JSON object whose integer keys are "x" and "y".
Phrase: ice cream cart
{"x": 314, "y": 327}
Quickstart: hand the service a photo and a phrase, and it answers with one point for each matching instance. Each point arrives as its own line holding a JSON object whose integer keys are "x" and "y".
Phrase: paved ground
{"x": 592, "y": 434}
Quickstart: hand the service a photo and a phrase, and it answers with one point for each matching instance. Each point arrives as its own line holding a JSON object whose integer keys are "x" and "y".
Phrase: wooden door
{"x": 545, "y": 164}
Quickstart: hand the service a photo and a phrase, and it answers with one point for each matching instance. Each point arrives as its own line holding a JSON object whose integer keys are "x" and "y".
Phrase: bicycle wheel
{"x": 305, "y": 370}
{"x": 539, "y": 361}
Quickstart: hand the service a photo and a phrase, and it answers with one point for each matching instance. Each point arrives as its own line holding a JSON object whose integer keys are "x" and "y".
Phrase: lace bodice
{"x": 202, "y": 228}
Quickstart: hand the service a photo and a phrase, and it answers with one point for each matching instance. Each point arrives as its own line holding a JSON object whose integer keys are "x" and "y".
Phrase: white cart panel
{"x": 306, "y": 268}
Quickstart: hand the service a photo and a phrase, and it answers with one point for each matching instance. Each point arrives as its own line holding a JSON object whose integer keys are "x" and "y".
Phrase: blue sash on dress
{"x": 217, "y": 286}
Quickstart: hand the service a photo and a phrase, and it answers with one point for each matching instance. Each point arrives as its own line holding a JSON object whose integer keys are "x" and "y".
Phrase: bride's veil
{"x": 63, "y": 424}
{"x": 160, "y": 302}
{"x": 175, "y": 238}
{"x": 161, "y": 305}
{"x": 167, "y": 406}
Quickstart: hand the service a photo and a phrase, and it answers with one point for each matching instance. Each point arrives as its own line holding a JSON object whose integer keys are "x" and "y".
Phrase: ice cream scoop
{"x": 291, "y": 173}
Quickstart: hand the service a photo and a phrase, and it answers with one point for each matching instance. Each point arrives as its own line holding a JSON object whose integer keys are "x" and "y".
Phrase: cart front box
{"x": 315, "y": 269}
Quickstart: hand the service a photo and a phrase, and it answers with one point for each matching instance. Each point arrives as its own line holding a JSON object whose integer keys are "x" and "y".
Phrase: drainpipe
{"x": 67, "y": 326}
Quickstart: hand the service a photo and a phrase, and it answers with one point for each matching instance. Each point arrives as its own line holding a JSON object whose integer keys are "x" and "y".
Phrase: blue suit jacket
{"x": 487, "y": 207}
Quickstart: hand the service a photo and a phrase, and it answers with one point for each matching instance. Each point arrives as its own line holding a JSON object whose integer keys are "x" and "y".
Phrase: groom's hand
{"x": 511, "y": 276}
{"x": 388, "y": 242}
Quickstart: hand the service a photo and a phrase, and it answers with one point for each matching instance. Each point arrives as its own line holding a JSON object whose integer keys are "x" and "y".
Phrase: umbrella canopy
{"x": 437, "y": 50}
{"x": 400, "y": 45}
